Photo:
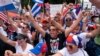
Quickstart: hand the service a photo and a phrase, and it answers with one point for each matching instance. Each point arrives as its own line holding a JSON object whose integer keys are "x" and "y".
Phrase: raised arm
{"x": 37, "y": 27}
{"x": 94, "y": 32}
{"x": 10, "y": 53}
{"x": 6, "y": 40}
{"x": 75, "y": 23}
{"x": 12, "y": 23}
{"x": 84, "y": 21}
{"x": 57, "y": 25}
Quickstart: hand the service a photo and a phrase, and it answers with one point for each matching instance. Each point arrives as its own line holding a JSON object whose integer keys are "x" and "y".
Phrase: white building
{"x": 86, "y": 4}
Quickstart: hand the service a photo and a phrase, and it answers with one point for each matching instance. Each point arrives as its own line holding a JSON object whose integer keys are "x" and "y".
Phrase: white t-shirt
{"x": 2, "y": 31}
{"x": 19, "y": 30}
{"x": 19, "y": 49}
{"x": 80, "y": 52}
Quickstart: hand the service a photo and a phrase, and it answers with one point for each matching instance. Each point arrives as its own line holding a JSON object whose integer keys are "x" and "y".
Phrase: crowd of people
{"x": 73, "y": 31}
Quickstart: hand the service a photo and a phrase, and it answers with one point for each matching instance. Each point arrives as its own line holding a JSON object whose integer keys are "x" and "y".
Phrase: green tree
{"x": 56, "y": 1}
{"x": 24, "y": 3}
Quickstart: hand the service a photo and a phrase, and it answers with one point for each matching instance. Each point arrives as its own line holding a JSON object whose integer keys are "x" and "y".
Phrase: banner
{"x": 55, "y": 8}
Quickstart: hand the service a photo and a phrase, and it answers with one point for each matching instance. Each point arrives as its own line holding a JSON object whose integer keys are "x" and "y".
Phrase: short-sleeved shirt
{"x": 54, "y": 44}
{"x": 2, "y": 31}
{"x": 19, "y": 49}
{"x": 80, "y": 52}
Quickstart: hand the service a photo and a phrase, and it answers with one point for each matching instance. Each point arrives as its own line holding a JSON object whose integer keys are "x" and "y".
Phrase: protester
{"x": 69, "y": 33}
{"x": 36, "y": 51}
{"x": 53, "y": 40}
{"x": 72, "y": 47}
{"x": 21, "y": 45}
{"x": 61, "y": 52}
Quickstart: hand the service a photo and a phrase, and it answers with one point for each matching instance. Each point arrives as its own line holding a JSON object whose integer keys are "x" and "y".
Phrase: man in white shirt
{"x": 21, "y": 45}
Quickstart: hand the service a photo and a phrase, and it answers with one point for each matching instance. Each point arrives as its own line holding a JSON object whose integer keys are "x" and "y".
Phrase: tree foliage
{"x": 26, "y": 2}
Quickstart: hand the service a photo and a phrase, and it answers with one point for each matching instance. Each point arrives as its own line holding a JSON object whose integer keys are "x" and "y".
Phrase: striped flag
{"x": 4, "y": 17}
{"x": 6, "y": 5}
{"x": 36, "y": 9}
{"x": 38, "y": 1}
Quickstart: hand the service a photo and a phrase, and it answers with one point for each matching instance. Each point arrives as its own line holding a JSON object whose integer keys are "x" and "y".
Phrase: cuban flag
{"x": 36, "y": 9}
{"x": 6, "y": 5}
{"x": 38, "y": 1}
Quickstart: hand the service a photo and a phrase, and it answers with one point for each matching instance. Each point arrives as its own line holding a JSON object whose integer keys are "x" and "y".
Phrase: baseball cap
{"x": 44, "y": 21}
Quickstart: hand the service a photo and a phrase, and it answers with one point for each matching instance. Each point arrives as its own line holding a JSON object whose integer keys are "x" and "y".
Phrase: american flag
{"x": 4, "y": 17}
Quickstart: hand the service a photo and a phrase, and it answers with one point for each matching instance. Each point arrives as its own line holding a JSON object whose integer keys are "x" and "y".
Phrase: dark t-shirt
{"x": 54, "y": 44}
